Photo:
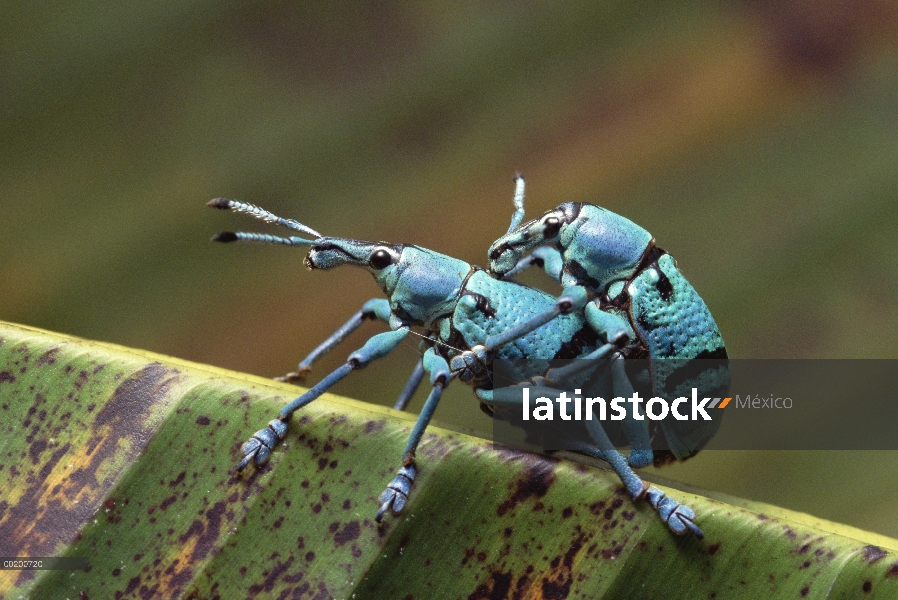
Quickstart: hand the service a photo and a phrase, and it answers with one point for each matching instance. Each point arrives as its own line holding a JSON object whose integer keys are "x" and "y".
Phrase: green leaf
{"x": 126, "y": 458}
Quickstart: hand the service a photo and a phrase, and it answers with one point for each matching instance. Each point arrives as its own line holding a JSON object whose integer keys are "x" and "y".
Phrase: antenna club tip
{"x": 224, "y": 236}
{"x": 219, "y": 203}
{"x": 517, "y": 176}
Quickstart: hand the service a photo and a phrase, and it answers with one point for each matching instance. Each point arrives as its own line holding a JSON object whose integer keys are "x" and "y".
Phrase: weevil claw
{"x": 258, "y": 448}
{"x": 246, "y": 460}
{"x": 396, "y": 495}
{"x": 679, "y": 517}
{"x": 298, "y": 376}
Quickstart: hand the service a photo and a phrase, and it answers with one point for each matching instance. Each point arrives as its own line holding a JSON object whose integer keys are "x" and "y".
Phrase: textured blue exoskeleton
{"x": 639, "y": 293}
{"x": 470, "y": 317}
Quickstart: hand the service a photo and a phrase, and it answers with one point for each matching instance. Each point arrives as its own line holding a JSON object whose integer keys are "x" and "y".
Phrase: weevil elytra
{"x": 472, "y": 316}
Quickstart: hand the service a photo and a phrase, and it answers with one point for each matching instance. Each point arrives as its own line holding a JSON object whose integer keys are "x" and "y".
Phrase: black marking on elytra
{"x": 578, "y": 272}
{"x": 690, "y": 371}
{"x": 642, "y": 319}
{"x": 573, "y": 348}
{"x": 718, "y": 353}
{"x": 664, "y": 286}
{"x": 483, "y": 305}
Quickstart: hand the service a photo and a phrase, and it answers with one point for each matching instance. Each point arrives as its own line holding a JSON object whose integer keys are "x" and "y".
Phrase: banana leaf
{"x": 126, "y": 459}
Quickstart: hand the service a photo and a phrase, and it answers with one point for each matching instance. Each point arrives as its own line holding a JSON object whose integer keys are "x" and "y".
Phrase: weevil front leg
{"x": 259, "y": 447}
{"x": 376, "y": 308}
{"x": 395, "y": 497}
{"x": 547, "y": 257}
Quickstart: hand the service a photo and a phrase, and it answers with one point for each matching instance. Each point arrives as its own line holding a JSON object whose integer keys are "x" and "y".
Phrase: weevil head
{"x": 421, "y": 285}
{"x": 505, "y": 252}
{"x": 598, "y": 246}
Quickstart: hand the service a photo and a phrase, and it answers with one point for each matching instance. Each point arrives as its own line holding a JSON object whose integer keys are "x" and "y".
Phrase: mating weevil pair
{"x": 622, "y": 297}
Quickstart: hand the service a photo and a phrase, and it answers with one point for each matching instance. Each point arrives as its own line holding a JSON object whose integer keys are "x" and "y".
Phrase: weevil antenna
{"x": 518, "y": 215}
{"x": 260, "y": 238}
{"x": 262, "y": 214}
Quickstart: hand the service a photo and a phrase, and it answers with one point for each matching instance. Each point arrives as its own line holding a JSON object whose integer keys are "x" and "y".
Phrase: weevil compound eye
{"x": 551, "y": 227}
{"x": 380, "y": 259}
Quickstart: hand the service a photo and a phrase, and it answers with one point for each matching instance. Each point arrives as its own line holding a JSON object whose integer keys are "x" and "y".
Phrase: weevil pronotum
{"x": 622, "y": 297}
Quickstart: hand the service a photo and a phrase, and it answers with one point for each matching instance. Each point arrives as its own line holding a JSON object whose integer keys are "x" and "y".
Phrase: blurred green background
{"x": 758, "y": 142}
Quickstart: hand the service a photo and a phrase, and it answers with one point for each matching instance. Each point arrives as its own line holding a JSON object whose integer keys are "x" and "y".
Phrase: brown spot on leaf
{"x": 48, "y": 357}
{"x": 267, "y": 585}
{"x": 350, "y": 532}
{"x": 495, "y": 588}
{"x": 375, "y": 426}
{"x": 873, "y": 553}
{"x": 538, "y": 476}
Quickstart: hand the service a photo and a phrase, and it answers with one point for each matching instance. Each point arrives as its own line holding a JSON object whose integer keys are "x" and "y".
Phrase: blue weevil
{"x": 641, "y": 294}
{"x": 470, "y": 317}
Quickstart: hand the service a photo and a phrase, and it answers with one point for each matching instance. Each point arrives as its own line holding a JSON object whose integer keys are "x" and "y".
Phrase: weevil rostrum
{"x": 622, "y": 297}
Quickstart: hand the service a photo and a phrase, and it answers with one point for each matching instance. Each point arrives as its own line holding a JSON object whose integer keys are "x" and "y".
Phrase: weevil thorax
{"x": 421, "y": 285}
{"x": 600, "y": 247}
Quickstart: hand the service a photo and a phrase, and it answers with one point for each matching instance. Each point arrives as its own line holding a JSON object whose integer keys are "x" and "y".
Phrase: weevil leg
{"x": 636, "y": 430}
{"x": 547, "y": 257}
{"x": 617, "y": 332}
{"x": 376, "y": 308}
{"x": 679, "y": 517}
{"x": 258, "y": 448}
{"x": 394, "y": 498}
{"x": 410, "y": 387}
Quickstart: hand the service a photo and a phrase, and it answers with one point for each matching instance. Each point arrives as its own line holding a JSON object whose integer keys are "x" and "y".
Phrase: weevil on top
{"x": 622, "y": 297}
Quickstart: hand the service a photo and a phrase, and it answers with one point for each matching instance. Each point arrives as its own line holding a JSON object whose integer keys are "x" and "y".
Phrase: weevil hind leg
{"x": 678, "y": 517}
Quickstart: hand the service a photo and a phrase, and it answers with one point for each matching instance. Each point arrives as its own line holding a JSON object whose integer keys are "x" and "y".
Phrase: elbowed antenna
{"x": 264, "y": 215}
{"x": 518, "y": 215}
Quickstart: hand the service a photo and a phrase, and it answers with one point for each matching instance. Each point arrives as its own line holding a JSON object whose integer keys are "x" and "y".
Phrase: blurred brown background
{"x": 758, "y": 142}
